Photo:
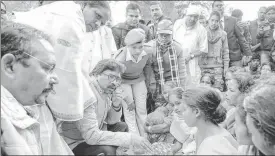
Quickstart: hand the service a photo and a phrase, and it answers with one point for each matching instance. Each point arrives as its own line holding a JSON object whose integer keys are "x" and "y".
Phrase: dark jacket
{"x": 237, "y": 44}
{"x": 120, "y": 31}
{"x": 266, "y": 39}
{"x": 253, "y": 29}
{"x": 153, "y": 25}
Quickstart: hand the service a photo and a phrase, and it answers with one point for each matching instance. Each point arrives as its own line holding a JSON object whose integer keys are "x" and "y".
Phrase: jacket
{"x": 135, "y": 72}
{"x": 237, "y": 44}
{"x": 150, "y": 47}
{"x": 266, "y": 39}
{"x": 120, "y": 31}
{"x": 29, "y": 130}
{"x": 92, "y": 128}
{"x": 218, "y": 54}
{"x": 253, "y": 29}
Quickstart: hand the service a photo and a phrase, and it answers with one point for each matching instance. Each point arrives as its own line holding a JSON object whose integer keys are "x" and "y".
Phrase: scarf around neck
{"x": 160, "y": 50}
{"x": 214, "y": 35}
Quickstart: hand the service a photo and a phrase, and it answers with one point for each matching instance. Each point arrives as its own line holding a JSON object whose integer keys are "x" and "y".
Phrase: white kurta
{"x": 194, "y": 39}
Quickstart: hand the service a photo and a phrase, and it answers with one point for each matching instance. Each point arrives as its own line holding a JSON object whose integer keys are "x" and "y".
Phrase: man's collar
{"x": 129, "y": 57}
{"x": 14, "y": 111}
{"x": 97, "y": 86}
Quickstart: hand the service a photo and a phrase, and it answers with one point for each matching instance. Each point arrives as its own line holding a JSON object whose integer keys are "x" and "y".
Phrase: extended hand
{"x": 142, "y": 143}
{"x": 131, "y": 106}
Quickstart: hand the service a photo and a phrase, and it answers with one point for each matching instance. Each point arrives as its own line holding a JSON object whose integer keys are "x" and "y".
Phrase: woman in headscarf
{"x": 216, "y": 61}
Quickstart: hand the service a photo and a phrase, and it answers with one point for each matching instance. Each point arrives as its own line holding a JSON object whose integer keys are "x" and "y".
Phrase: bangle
{"x": 117, "y": 109}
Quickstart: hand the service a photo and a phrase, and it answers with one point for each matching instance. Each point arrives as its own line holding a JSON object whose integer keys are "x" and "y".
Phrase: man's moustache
{"x": 49, "y": 90}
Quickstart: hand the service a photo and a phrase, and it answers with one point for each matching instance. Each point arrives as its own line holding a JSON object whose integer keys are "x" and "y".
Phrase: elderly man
{"x": 132, "y": 21}
{"x": 238, "y": 46}
{"x": 157, "y": 16}
{"x": 167, "y": 60}
{"x": 27, "y": 78}
{"x": 134, "y": 79}
{"x": 193, "y": 37}
{"x": 100, "y": 130}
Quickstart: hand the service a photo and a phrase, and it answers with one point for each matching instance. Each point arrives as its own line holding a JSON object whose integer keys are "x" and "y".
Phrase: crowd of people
{"x": 72, "y": 83}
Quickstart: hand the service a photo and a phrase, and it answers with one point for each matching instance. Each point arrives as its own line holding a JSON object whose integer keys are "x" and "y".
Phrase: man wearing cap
{"x": 120, "y": 30}
{"x": 157, "y": 16}
{"x": 193, "y": 37}
{"x": 137, "y": 73}
{"x": 167, "y": 59}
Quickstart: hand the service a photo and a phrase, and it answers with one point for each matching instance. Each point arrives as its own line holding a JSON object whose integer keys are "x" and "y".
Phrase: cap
{"x": 165, "y": 26}
{"x": 134, "y": 36}
{"x": 193, "y": 10}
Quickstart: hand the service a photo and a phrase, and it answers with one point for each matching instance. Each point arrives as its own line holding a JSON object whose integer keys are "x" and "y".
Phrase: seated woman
{"x": 266, "y": 68}
{"x": 260, "y": 119}
{"x": 238, "y": 86}
{"x": 201, "y": 108}
{"x": 246, "y": 146}
{"x": 158, "y": 123}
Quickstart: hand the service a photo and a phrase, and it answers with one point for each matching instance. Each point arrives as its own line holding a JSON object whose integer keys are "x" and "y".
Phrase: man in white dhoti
{"x": 193, "y": 37}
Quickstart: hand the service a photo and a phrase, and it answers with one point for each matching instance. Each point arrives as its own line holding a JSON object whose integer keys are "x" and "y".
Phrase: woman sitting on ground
{"x": 260, "y": 119}
{"x": 238, "y": 86}
{"x": 201, "y": 108}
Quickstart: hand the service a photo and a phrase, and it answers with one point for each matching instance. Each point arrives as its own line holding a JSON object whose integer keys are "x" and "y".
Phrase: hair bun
{"x": 219, "y": 115}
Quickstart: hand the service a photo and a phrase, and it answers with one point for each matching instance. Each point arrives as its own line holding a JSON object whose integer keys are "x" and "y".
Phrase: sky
{"x": 249, "y": 8}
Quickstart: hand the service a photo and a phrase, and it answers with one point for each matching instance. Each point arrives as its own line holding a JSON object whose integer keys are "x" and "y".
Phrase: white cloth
{"x": 220, "y": 144}
{"x": 30, "y": 130}
{"x": 136, "y": 119}
{"x": 129, "y": 56}
{"x": 222, "y": 21}
{"x": 192, "y": 10}
{"x": 193, "y": 40}
{"x": 64, "y": 21}
{"x": 100, "y": 44}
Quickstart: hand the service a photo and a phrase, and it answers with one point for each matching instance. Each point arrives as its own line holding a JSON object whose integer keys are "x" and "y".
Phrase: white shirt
{"x": 192, "y": 39}
{"x": 222, "y": 22}
{"x": 129, "y": 56}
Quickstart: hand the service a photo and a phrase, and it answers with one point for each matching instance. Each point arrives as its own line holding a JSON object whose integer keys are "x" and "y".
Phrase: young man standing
{"x": 120, "y": 30}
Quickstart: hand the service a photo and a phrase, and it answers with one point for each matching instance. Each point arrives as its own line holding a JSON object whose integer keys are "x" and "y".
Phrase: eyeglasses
{"x": 51, "y": 66}
{"x": 3, "y": 11}
{"x": 113, "y": 78}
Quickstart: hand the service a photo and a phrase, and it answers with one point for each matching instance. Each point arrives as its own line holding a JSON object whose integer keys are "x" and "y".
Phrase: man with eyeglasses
{"x": 100, "y": 130}
{"x": 133, "y": 13}
{"x": 28, "y": 77}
